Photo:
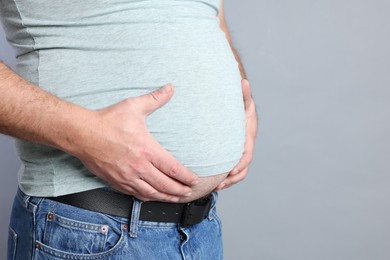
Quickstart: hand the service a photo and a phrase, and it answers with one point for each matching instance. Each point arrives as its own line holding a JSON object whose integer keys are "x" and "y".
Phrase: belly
{"x": 205, "y": 186}
{"x": 98, "y": 64}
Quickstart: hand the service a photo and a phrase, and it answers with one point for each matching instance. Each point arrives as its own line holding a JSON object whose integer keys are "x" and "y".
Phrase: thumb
{"x": 149, "y": 102}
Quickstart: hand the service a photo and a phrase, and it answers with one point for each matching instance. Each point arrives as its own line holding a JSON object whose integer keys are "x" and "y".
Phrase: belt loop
{"x": 134, "y": 220}
{"x": 29, "y": 202}
{"x": 213, "y": 205}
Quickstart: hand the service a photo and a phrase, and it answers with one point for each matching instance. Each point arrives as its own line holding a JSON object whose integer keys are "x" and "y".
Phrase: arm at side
{"x": 223, "y": 25}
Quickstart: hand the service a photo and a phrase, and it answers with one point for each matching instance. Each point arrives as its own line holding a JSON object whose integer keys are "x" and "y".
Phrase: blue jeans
{"x": 44, "y": 229}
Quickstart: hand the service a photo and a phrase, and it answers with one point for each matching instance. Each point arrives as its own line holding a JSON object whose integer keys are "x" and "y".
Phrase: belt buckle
{"x": 194, "y": 213}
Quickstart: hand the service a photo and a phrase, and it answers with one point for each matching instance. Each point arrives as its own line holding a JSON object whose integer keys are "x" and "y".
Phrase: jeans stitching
{"x": 213, "y": 205}
{"x": 13, "y": 236}
{"x": 134, "y": 220}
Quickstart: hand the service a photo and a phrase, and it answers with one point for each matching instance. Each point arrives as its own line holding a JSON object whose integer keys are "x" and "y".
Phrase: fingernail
{"x": 195, "y": 182}
{"x": 167, "y": 88}
{"x": 175, "y": 199}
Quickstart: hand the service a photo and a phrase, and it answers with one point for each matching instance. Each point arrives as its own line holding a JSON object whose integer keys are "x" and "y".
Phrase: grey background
{"x": 318, "y": 185}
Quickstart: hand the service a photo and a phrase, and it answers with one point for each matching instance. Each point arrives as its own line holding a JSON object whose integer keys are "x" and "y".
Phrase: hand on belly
{"x": 204, "y": 187}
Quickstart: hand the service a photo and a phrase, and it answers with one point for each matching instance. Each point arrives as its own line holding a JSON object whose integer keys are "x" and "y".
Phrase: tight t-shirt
{"x": 96, "y": 53}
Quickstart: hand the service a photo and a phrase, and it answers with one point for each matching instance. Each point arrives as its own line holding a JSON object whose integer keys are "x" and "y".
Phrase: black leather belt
{"x": 118, "y": 204}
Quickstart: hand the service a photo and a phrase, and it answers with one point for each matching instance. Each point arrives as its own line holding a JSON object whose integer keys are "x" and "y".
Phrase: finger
{"x": 170, "y": 166}
{"x": 237, "y": 178}
{"x": 250, "y": 106}
{"x": 233, "y": 179}
{"x": 145, "y": 192}
{"x": 248, "y": 151}
{"x": 148, "y": 193}
{"x": 161, "y": 182}
{"x": 245, "y": 159}
{"x": 251, "y": 122}
{"x": 149, "y": 102}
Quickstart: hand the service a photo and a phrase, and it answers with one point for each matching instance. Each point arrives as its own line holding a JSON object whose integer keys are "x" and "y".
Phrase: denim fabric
{"x": 44, "y": 229}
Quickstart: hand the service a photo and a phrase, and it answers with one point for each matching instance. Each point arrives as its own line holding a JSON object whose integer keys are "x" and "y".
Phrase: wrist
{"x": 76, "y": 130}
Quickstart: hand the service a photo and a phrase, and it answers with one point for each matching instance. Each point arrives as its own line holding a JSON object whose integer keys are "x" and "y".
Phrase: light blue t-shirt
{"x": 95, "y": 53}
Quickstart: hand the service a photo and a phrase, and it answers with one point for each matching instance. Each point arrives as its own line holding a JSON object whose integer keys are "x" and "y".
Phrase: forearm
{"x": 224, "y": 28}
{"x": 240, "y": 65}
{"x": 113, "y": 143}
{"x": 30, "y": 113}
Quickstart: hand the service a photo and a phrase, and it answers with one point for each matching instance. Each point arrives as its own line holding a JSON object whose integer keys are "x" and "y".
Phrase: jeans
{"x": 44, "y": 229}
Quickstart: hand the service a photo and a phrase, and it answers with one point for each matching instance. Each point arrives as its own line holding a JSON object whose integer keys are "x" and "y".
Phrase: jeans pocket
{"x": 12, "y": 241}
{"x": 68, "y": 238}
{"x": 74, "y": 236}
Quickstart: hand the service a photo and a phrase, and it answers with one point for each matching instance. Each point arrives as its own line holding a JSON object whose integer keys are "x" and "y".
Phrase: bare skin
{"x": 240, "y": 171}
{"x": 205, "y": 186}
{"x": 113, "y": 142}
{"x": 107, "y": 141}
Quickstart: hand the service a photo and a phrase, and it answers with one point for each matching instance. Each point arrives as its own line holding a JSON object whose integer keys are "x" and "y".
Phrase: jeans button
{"x": 125, "y": 227}
{"x": 50, "y": 216}
{"x": 182, "y": 236}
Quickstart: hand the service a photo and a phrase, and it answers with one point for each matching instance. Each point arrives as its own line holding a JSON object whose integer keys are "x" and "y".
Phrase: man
{"x": 105, "y": 177}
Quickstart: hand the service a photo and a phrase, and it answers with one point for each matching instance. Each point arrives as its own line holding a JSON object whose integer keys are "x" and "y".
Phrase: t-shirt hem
{"x": 54, "y": 191}
{"x": 214, "y": 169}
{"x": 40, "y": 191}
